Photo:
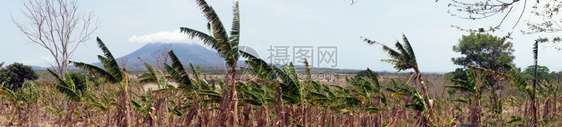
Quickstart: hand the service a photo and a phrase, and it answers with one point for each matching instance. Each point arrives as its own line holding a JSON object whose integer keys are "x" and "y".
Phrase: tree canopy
{"x": 15, "y": 74}
{"x": 543, "y": 73}
{"x": 484, "y": 51}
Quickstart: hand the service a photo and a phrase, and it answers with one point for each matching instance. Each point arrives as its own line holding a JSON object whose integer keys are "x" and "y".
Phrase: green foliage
{"x": 179, "y": 73}
{"x": 469, "y": 85}
{"x": 227, "y": 47}
{"x": 418, "y": 102}
{"x": 399, "y": 89}
{"x": 9, "y": 94}
{"x": 459, "y": 73}
{"x": 80, "y": 81}
{"x": 112, "y": 72}
{"x": 144, "y": 104}
{"x": 403, "y": 57}
{"x": 67, "y": 87}
{"x": 363, "y": 73}
{"x": 543, "y": 73}
{"x": 484, "y": 51}
{"x": 14, "y": 75}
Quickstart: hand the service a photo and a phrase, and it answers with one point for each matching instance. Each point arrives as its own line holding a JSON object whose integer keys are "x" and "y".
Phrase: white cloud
{"x": 41, "y": 61}
{"x": 163, "y": 37}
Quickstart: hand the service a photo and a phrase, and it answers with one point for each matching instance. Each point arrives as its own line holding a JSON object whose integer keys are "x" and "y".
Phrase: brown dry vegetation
{"x": 176, "y": 108}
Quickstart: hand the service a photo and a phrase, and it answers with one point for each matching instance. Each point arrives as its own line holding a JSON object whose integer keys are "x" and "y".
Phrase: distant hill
{"x": 196, "y": 54}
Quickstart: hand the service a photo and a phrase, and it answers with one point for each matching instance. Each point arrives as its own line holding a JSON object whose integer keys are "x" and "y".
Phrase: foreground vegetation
{"x": 261, "y": 94}
{"x": 268, "y": 96}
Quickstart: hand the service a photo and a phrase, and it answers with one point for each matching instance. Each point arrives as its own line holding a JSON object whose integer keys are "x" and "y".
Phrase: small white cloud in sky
{"x": 41, "y": 61}
{"x": 163, "y": 37}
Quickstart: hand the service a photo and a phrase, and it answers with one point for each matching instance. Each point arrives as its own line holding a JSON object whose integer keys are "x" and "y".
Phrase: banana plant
{"x": 145, "y": 107}
{"x": 179, "y": 73}
{"x": 113, "y": 74}
{"x": 472, "y": 87}
{"x": 193, "y": 86}
{"x": 255, "y": 94}
{"x": 399, "y": 89}
{"x": 226, "y": 46}
{"x": 369, "y": 92}
{"x": 154, "y": 76}
{"x": 67, "y": 87}
{"x": 404, "y": 58}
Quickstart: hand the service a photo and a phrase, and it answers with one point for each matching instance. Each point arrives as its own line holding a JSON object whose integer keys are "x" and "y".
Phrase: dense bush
{"x": 15, "y": 74}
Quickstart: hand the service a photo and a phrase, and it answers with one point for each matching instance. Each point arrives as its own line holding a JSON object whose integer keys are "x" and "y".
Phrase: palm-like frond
{"x": 404, "y": 54}
{"x": 419, "y": 103}
{"x": 400, "y": 89}
{"x": 9, "y": 93}
{"x": 409, "y": 48}
{"x": 495, "y": 74}
{"x": 468, "y": 85}
{"x": 235, "y": 35}
{"x": 512, "y": 75}
{"x": 403, "y": 57}
{"x": 66, "y": 86}
{"x": 96, "y": 71}
{"x": 219, "y": 32}
{"x": 520, "y": 82}
{"x": 207, "y": 39}
{"x": 259, "y": 67}
{"x": 69, "y": 93}
{"x": 212, "y": 96}
{"x": 393, "y": 53}
{"x": 178, "y": 72}
{"x": 291, "y": 85}
{"x": 112, "y": 72}
{"x": 374, "y": 80}
{"x": 226, "y": 46}
{"x": 110, "y": 64}
{"x": 150, "y": 76}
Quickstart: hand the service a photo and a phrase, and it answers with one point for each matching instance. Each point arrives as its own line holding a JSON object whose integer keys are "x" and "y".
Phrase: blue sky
{"x": 126, "y": 25}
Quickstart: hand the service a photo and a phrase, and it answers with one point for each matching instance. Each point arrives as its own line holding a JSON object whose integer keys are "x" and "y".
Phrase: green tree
{"x": 15, "y": 74}
{"x": 484, "y": 51}
{"x": 543, "y": 73}
{"x": 488, "y": 52}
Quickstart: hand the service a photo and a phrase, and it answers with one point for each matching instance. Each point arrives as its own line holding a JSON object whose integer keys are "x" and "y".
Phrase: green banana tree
{"x": 515, "y": 78}
{"x": 145, "y": 107}
{"x": 472, "y": 87}
{"x": 404, "y": 58}
{"x": 113, "y": 74}
{"x": 179, "y": 73}
{"x": 193, "y": 86}
{"x": 287, "y": 78}
{"x": 369, "y": 92}
{"x": 226, "y": 46}
{"x": 67, "y": 87}
{"x": 154, "y": 76}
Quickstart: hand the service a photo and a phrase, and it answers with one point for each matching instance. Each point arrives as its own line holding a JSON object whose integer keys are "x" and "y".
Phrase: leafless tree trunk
{"x": 161, "y": 58}
{"x": 57, "y": 26}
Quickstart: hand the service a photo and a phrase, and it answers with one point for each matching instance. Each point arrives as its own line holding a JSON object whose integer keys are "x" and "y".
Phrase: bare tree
{"x": 162, "y": 57}
{"x": 57, "y": 26}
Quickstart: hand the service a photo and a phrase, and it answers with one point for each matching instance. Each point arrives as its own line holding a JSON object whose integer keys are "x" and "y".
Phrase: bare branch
{"x": 57, "y": 26}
